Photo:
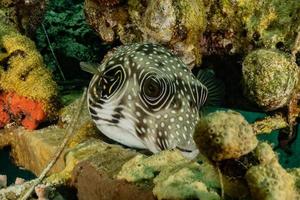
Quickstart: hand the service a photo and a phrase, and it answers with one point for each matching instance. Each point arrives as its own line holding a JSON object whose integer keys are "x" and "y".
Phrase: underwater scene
{"x": 149, "y": 99}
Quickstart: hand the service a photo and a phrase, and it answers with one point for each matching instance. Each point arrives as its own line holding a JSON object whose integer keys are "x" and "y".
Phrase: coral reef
{"x": 178, "y": 24}
{"x": 25, "y": 96}
{"x": 232, "y": 26}
{"x": 269, "y": 78}
{"x": 224, "y": 135}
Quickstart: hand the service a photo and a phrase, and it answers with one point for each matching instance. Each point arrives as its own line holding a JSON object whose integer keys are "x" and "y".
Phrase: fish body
{"x": 143, "y": 96}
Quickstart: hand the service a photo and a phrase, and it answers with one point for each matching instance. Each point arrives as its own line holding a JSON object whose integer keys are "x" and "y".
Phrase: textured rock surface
{"x": 177, "y": 24}
{"x": 33, "y": 150}
{"x": 15, "y": 191}
{"x": 99, "y": 172}
{"x": 26, "y": 15}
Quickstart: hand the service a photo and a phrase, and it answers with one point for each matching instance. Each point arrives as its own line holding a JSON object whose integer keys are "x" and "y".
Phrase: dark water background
{"x": 10, "y": 169}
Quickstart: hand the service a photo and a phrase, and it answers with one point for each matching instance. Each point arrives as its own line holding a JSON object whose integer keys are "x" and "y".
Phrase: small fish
{"x": 143, "y": 96}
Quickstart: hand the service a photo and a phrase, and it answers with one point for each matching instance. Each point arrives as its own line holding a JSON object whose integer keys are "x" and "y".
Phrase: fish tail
{"x": 215, "y": 87}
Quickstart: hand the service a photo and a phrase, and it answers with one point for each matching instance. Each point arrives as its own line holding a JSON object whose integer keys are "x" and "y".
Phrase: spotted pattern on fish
{"x": 143, "y": 96}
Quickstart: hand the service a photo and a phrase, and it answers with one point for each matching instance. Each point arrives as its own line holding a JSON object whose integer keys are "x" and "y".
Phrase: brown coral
{"x": 109, "y": 2}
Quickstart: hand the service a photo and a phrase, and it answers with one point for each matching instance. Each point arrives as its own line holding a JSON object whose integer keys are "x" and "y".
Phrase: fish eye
{"x": 151, "y": 88}
{"x": 111, "y": 80}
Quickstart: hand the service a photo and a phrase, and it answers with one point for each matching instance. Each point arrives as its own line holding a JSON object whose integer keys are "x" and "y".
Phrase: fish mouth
{"x": 183, "y": 150}
{"x": 121, "y": 135}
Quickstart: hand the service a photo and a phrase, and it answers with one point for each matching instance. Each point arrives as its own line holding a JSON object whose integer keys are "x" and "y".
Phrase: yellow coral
{"x": 26, "y": 73}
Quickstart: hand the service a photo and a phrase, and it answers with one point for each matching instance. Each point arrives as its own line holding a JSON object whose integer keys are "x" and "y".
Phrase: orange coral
{"x": 4, "y": 116}
{"x": 28, "y": 112}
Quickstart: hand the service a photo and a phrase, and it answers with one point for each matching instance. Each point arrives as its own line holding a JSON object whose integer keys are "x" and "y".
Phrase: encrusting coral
{"x": 195, "y": 28}
{"x": 224, "y": 135}
{"x": 28, "y": 92}
{"x": 176, "y": 177}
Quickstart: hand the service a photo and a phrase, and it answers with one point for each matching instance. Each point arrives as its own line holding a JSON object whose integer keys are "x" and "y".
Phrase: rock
{"x": 104, "y": 184}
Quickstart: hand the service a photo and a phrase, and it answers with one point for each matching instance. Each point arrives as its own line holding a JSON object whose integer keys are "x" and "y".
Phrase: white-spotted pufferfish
{"x": 143, "y": 96}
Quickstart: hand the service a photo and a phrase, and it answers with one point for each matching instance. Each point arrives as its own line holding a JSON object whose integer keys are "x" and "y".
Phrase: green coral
{"x": 69, "y": 35}
{"x": 224, "y": 135}
{"x": 269, "y": 78}
{"x": 25, "y": 72}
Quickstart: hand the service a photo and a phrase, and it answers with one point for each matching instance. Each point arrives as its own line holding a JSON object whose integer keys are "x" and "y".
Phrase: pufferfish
{"x": 143, "y": 96}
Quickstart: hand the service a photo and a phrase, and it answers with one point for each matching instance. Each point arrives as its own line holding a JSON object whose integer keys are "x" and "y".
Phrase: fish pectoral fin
{"x": 89, "y": 67}
{"x": 215, "y": 87}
